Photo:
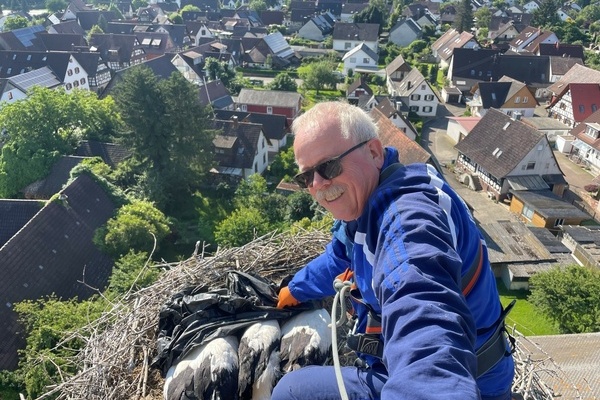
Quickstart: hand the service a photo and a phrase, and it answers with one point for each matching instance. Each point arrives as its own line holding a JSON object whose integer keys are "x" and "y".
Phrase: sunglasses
{"x": 328, "y": 170}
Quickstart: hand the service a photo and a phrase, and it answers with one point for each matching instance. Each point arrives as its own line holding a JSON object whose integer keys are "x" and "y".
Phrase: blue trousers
{"x": 319, "y": 383}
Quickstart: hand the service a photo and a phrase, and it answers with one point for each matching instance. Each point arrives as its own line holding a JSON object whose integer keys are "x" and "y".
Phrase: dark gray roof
{"x": 243, "y": 137}
{"x": 549, "y": 240}
{"x": 54, "y": 181}
{"x": 17, "y": 62}
{"x": 274, "y": 126}
{"x": 215, "y": 93}
{"x": 88, "y": 18}
{"x": 549, "y": 205}
{"x": 112, "y": 154}
{"x": 583, "y": 234}
{"x": 356, "y": 31}
{"x": 61, "y": 41}
{"x": 493, "y": 94}
{"x": 21, "y": 39}
{"x": 53, "y": 253}
{"x": 71, "y": 27}
{"x": 42, "y": 77}
{"x": 14, "y": 214}
{"x": 498, "y": 143}
{"x": 269, "y": 97}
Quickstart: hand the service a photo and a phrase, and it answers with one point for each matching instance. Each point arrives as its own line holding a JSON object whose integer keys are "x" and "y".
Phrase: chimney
{"x": 235, "y": 121}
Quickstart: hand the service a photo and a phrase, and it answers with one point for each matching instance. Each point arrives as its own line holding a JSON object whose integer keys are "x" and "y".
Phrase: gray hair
{"x": 354, "y": 123}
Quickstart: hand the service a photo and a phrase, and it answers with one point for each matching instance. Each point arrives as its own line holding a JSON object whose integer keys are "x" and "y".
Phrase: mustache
{"x": 329, "y": 192}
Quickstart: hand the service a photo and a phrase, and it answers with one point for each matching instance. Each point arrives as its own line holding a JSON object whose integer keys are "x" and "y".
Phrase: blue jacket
{"x": 408, "y": 250}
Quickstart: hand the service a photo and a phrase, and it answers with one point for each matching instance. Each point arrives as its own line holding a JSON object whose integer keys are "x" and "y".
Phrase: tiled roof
{"x": 53, "y": 253}
{"x": 274, "y": 126}
{"x": 579, "y": 130}
{"x": 466, "y": 122}
{"x": 359, "y": 82}
{"x": 61, "y": 41}
{"x": 269, "y": 98}
{"x": 577, "y": 74}
{"x": 214, "y": 91}
{"x": 563, "y": 50}
{"x": 569, "y": 363}
{"x": 498, "y": 143}
{"x": 397, "y": 64}
{"x": 410, "y": 82}
{"x": 112, "y": 154}
{"x": 493, "y": 94}
{"x": 242, "y": 137}
{"x": 56, "y": 179}
{"x": 14, "y": 214}
{"x": 409, "y": 151}
{"x": 562, "y": 65}
{"x": 356, "y": 31}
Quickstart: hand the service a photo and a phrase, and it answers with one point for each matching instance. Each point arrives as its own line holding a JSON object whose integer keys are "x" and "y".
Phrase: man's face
{"x": 346, "y": 195}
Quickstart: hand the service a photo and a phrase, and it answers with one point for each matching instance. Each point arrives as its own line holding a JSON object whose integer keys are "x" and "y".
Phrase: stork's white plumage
{"x": 305, "y": 340}
{"x": 207, "y": 372}
{"x": 259, "y": 360}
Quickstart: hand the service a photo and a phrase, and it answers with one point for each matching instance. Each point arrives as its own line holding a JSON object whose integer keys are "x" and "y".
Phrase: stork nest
{"x": 114, "y": 362}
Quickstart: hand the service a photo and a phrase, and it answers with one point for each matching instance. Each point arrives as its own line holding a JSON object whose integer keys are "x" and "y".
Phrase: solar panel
{"x": 43, "y": 77}
{"x": 26, "y": 35}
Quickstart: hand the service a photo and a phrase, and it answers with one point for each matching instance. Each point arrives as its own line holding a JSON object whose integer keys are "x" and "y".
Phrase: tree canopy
{"x": 464, "y": 16}
{"x": 61, "y": 120}
{"x": 168, "y": 131}
{"x": 283, "y": 82}
{"x": 15, "y": 22}
{"x": 546, "y": 14}
{"x": 319, "y": 75}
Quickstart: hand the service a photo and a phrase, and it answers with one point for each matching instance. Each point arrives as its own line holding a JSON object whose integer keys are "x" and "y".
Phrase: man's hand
{"x": 286, "y": 299}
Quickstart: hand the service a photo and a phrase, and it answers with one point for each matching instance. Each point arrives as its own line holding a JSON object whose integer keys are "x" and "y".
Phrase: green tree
{"x": 283, "y": 166}
{"x": 219, "y": 70}
{"x": 135, "y": 227}
{"x": 176, "y": 18}
{"x": 258, "y": 5}
{"x": 319, "y": 75}
{"x": 300, "y": 205}
{"x": 241, "y": 227}
{"x": 15, "y": 22}
{"x": 569, "y": 296}
{"x": 545, "y": 15}
{"x": 464, "y": 16}
{"x": 169, "y": 143}
{"x": 54, "y": 6}
{"x": 131, "y": 273}
{"x": 190, "y": 7}
{"x": 136, "y": 4}
{"x": 283, "y": 82}
{"x": 94, "y": 29}
{"x": 483, "y": 16}
{"x": 375, "y": 13}
{"x": 115, "y": 10}
{"x": 61, "y": 120}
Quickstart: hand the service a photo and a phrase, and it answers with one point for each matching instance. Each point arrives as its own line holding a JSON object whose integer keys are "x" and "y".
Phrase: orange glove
{"x": 286, "y": 299}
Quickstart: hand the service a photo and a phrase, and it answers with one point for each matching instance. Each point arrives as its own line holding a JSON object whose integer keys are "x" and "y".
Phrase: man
{"x": 424, "y": 286}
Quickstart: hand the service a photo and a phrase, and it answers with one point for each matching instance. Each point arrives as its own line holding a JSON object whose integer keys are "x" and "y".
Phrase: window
{"x": 8, "y": 71}
{"x": 70, "y": 72}
{"x": 82, "y": 81}
{"x": 427, "y": 109}
{"x": 559, "y": 221}
{"x": 10, "y": 95}
{"x": 244, "y": 107}
{"x": 525, "y": 99}
{"x": 428, "y": 97}
{"x": 28, "y": 57}
{"x": 269, "y": 110}
{"x": 415, "y": 97}
{"x": 530, "y": 165}
{"x": 527, "y": 212}
{"x": 517, "y": 99}
{"x": 366, "y": 60}
{"x": 594, "y": 107}
{"x": 76, "y": 83}
{"x": 472, "y": 72}
{"x": 265, "y": 158}
{"x": 414, "y": 108}
{"x": 69, "y": 86}
{"x": 347, "y": 45}
{"x": 77, "y": 70}
{"x": 423, "y": 86}
{"x": 581, "y": 108}
{"x": 14, "y": 56}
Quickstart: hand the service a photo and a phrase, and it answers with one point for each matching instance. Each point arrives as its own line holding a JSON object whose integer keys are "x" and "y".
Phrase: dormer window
{"x": 592, "y": 130}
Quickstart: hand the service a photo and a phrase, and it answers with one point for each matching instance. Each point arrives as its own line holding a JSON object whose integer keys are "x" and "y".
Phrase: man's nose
{"x": 318, "y": 180}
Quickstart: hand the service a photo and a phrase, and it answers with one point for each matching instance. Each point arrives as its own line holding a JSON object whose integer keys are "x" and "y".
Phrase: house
{"x": 358, "y": 88}
{"x": 396, "y": 117}
{"x": 504, "y": 154}
{"x": 216, "y": 94}
{"x": 88, "y": 18}
{"x": 66, "y": 27}
{"x": 507, "y": 95}
{"x": 190, "y": 63}
{"x": 98, "y": 73}
{"x": 17, "y": 87}
{"x": 459, "y": 127}
{"x": 530, "y": 38}
{"x": 300, "y": 13}
{"x": 270, "y": 102}
{"x": 583, "y": 242}
{"x": 544, "y": 209}
{"x": 444, "y": 47}
{"x": 502, "y": 30}
{"x": 409, "y": 151}
{"x": 198, "y": 30}
{"x": 577, "y": 74}
{"x": 577, "y": 102}
{"x": 118, "y": 51}
{"x": 405, "y": 32}
{"x": 270, "y": 50}
{"x": 333, "y": 7}
{"x": 155, "y": 44}
{"x": 318, "y": 27}
{"x": 397, "y": 69}
{"x": 274, "y": 127}
{"x": 564, "y": 50}
{"x": 531, "y": 6}
{"x": 347, "y": 36}
{"x": 73, "y": 8}
{"x": 14, "y": 214}
{"x": 416, "y": 93}
{"x": 586, "y": 146}
{"x": 361, "y": 59}
{"x": 53, "y": 253}
{"x": 550, "y": 127}
{"x": 272, "y": 17}
{"x": 65, "y": 66}
{"x": 240, "y": 149}
{"x": 559, "y": 66}
{"x": 349, "y": 10}
{"x": 21, "y": 39}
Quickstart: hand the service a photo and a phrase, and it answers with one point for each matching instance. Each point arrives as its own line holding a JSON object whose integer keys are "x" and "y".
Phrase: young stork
{"x": 305, "y": 340}
{"x": 259, "y": 360}
{"x": 208, "y": 372}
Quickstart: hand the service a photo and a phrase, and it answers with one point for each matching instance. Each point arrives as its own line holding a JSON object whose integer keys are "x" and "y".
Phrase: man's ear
{"x": 377, "y": 152}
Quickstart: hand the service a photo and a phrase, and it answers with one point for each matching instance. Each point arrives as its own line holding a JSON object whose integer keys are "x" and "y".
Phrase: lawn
{"x": 524, "y": 316}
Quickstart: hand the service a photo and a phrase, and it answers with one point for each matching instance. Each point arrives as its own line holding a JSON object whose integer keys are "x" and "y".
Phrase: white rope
{"x": 341, "y": 292}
